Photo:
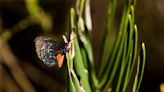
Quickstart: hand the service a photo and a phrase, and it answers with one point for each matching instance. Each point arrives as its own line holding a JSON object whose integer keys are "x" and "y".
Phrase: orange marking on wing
{"x": 60, "y": 59}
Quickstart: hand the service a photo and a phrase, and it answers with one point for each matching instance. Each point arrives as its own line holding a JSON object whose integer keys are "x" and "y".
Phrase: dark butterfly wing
{"x": 48, "y": 48}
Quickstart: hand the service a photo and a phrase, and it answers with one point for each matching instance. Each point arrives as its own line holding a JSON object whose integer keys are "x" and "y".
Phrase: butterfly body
{"x": 50, "y": 51}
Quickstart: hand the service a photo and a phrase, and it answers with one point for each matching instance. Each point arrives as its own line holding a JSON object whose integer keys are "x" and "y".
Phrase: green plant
{"x": 117, "y": 58}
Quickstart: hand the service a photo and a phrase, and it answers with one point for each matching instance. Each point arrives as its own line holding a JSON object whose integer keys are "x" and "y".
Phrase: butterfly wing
{"x": 47, "y": 50}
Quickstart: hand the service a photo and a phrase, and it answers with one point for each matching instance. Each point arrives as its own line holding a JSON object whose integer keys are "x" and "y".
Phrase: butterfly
{"x": 51, "y": 51}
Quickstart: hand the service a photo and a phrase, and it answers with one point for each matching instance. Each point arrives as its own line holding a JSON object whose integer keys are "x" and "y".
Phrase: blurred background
{"x": 20, "y": 69}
